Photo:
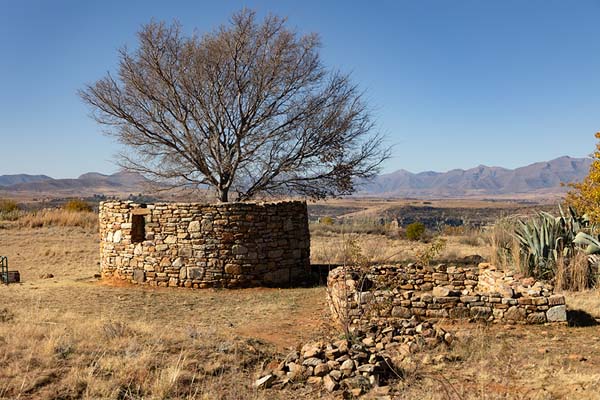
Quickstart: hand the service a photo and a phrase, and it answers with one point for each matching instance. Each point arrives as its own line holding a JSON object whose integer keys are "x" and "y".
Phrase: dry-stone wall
{"x": 200, "y": 245}
{"x": 385, "y": 294}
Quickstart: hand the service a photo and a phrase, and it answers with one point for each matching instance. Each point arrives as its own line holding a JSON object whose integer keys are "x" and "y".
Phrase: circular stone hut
{"x": 205, "y": 245}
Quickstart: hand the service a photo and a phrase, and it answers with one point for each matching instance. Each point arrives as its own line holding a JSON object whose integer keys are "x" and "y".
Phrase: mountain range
{"x": 535, "y": 179}
{"x": 538, "y": 179}
{"x": 85, "y": 185}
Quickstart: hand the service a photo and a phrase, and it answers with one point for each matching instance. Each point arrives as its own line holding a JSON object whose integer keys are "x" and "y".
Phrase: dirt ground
{"x": 72, "y": 336}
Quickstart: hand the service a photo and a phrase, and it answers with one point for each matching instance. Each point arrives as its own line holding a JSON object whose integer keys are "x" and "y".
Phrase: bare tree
{"x": 248, "y": 108}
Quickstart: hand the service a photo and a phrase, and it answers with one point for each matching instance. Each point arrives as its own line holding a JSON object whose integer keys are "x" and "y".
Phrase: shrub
{"x": 326, "y": 221}
{"x": 77, "y": 205}
{"x": 8, "y": 206}
{"x": 415, "y": 231}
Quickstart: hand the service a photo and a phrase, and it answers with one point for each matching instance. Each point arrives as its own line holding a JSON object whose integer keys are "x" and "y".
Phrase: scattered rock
{"x": 265, "y": 382}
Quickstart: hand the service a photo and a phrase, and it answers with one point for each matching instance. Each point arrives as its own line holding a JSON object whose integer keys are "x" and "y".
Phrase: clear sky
{"x": 453, "y": 84}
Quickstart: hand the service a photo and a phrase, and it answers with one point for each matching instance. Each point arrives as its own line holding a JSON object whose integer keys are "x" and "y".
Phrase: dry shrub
{"x": 8, "y": 206}
{"x": 415, "y": 231}
{"x": 574, "y": 273}
{"x": 59, "y": 217}
{"x": 504, "y": 246}
{"x": 77, "y": 205}
{"x": 9, "y": 210}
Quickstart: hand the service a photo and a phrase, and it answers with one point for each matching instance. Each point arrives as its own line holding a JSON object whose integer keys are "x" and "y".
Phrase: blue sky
{"x": 453, "y": 84}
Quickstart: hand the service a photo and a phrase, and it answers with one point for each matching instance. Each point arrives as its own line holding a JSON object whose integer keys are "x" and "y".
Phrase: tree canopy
{"x": 248, "y": 108}
{"x": 585, "y": 195}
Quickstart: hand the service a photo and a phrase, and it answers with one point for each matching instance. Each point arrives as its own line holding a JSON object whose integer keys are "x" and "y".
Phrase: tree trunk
{"x": 224, "y": 195}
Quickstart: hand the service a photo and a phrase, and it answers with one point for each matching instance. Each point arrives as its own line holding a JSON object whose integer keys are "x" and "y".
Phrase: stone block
{"x": 401, "y": 312}
{"x": 139, "y": 275}
{"x": 536, "y": 318}
{"x": 195, "y": 272}
{"x": 480, "y": 312}
{"x": 557, "y": 313}
{"x": 556, "y": 300}
{"x": 515, "y": 313}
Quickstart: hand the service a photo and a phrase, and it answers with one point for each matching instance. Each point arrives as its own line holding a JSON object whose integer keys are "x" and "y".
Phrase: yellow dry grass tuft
{"x": 58, "y": 217}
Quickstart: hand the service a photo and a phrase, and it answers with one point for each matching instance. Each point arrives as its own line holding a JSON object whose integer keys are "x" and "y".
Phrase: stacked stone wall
{"x": 202, "y": 245}
{"x": 385, "y": 294}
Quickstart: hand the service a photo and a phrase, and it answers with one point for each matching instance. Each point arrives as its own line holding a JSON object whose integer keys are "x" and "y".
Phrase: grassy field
{"x": 71, "y": 336}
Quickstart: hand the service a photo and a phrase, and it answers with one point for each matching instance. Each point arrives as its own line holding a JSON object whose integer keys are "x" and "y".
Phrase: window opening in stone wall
{"x": 138, "y": 228}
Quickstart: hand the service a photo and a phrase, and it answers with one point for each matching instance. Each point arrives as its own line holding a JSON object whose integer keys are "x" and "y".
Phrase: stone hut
{"x": 197, "y": 245}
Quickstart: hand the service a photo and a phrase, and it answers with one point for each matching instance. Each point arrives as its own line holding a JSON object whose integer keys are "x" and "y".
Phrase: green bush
{"x": 326, "y": 221}
{"x": 415, "y": 231}
{"x": 8, "y": 206}
{"x": 77, "y": 205}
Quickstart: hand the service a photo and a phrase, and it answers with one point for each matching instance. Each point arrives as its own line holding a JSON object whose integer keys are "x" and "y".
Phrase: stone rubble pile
{"x": 377, "y": 355}
{"x": 510, "y": 284}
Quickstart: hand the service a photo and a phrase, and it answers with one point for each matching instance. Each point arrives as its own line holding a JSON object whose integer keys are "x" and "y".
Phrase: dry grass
{"x": 333, "y": 249}
{"x": 58, "y": 217}
{"x": 505, "y": 362}
{"x": 73, "y": 337}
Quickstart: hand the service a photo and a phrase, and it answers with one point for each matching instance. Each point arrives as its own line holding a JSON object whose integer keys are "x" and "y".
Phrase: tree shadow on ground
{"x": 579, "y": 318}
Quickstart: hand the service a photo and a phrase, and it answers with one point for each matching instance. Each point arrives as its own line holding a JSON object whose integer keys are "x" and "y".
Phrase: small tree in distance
{"x": 247, "y": 109}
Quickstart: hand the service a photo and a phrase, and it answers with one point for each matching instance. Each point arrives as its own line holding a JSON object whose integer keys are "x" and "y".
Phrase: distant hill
{"x": 8, "y": 180}
{"x": 538, "y": 178}
{"x": 87, "y": 184}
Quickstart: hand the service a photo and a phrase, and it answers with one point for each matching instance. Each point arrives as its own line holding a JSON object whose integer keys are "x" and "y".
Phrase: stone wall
{"x": 200, "y": 245}
{"x": 391, "y": 293}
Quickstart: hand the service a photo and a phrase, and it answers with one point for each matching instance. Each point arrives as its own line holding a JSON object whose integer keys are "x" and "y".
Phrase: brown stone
{"x": 515, "y": 313}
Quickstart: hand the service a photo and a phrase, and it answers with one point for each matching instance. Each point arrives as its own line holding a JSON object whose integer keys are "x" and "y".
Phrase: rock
{"x": 556, "y": 300}
{"x": 401, "y": 312}
{"x": 329, "y": 383}
{"x": 335, "y": 374}
{"x": 312, "y": 362}
{"x": 369, "y": 342}
{"x": 178, "y": 263}
{"x": 515, "y": 313}
{"x": 195, "y": 272}
{"x": 311, "y": 349}
{"x": 321, "y": 369}
{"x": 171, "y": 239}
{"x": 369, "y": 368}
{"x": 238, "y": 249}
{"x": 265, "y": 382}
{"x": 46, "y": 276}
{"x": 536, "y": 318}
{"x": 117, "y": 236}
{"x": 314, "y": 380}
{"x": 480, "y": 312}
{"x": 441, "y": 291}
{"x": 342, "y": 346}
{"x": 207, "y": 225}
{"x": 347, "y": 367}
{"x": 194, "y": 226}
{"x": 557, "y": 314}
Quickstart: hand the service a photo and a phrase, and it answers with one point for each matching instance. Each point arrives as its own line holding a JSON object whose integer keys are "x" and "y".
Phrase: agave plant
{"x": 545, "y": 239}
{"x": 591, "y": 243}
